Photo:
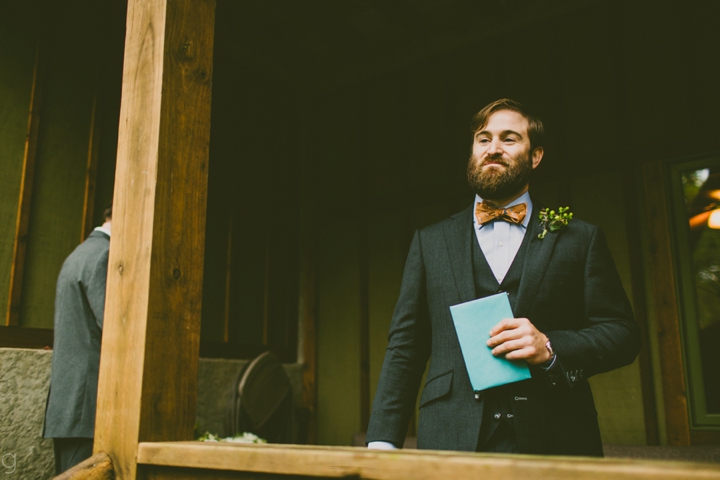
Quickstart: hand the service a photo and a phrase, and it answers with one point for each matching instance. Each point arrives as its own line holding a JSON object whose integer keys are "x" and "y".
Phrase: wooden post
{"x": 666, "y": 306}
{"x": 22, "y": 222}
{"x": 91, "y": 174}
{"x": 148, "y": 368}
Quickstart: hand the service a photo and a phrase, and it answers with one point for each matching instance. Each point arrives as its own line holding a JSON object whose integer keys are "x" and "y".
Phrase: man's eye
{"x": 510, "y": 140}
{"x": 483, "y": 140}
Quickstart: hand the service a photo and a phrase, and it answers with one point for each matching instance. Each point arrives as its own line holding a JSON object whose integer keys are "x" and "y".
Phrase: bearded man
{"x": 572, "y": 316}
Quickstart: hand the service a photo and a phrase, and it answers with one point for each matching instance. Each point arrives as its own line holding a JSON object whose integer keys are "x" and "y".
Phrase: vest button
{"x": 478, "y": 396}
{"x": 497, "y": 416}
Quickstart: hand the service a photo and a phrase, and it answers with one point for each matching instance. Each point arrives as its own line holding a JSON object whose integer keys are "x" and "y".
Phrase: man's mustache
{"x": 496, "y": 161}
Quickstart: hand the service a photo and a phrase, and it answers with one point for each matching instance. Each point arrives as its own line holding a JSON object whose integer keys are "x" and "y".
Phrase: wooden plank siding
{"x": 631, "y": 194}
{"x": 91, "y": 174}
{"x": 148, "y": 372}
{"x": 666, "y": 306}
{"x": 308, "y": 344}
{"x": 17, "y": 268}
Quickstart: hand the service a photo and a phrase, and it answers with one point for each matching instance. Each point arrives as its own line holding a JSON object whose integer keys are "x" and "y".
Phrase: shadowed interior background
{"x": 338, "y": 128}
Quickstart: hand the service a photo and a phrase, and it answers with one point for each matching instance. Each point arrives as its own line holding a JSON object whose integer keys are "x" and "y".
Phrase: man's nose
{"x": 495, "y": 147}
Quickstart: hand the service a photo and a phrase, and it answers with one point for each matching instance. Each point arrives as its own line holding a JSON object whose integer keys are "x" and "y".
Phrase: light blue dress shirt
{"x": 501, "y": 240}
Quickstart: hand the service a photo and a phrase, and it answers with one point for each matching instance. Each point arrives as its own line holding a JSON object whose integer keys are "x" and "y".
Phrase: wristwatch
{"x": 548, "y": 345}
{"x": 549, "y": 362}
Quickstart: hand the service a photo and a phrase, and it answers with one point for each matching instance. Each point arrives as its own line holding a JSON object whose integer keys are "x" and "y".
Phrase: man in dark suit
{"x": 79, "y": 307}
{"x": 572, "y": 316}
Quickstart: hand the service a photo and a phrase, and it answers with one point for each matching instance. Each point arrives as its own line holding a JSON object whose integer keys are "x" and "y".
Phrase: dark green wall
{"x": 18, "y": 43}
{"x": 80, "y": 48}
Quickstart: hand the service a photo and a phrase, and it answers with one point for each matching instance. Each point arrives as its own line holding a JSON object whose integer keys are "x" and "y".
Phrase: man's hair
{"x": 107, "y": 213}
{"x": 536, "y": 131}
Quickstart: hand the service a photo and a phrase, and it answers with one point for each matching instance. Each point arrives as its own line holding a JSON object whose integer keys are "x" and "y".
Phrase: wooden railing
{"x": 191, "y": 460}
{"x": 97, "y": 467}
{"x": 166, "y": 460}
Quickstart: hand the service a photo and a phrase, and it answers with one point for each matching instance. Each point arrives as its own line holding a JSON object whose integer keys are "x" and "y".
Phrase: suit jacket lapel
{"x": 457, "y": 240}
{"x": 537, "y": 258}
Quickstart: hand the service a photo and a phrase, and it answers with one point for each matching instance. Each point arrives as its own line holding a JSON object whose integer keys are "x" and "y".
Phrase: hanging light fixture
{"x": 714, "y": 219}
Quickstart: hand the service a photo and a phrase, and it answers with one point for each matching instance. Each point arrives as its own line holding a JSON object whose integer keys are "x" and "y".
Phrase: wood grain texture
{"x": 148, "y": 369}
{"x": 91, "y": 174}
{"x": 97, "y": 467}
{"x": 364, "y": 320}
{"x": 177, "y": 473}
{"x": 26, "y": 337}
{"x": 637, "y": 276}
{"x": 339, "y": 462}
{"x": 308, "y": 344}
{"x": 666, "y": 305}
{"x": 22, "y": 222}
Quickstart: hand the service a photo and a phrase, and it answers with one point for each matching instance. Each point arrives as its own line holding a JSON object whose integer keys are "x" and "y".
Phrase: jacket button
{"x": 509, "y": 415}
{"x": 497, "y": 416}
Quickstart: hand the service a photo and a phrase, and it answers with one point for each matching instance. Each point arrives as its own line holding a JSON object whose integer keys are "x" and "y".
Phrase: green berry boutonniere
{"x": 552, "y": 221}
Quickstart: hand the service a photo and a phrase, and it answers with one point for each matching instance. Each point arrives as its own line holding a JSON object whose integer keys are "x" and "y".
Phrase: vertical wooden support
{"x": 308, "y": 341}
{"x": 22, "y": 222}
{"x": 364, "y": 267}
{"x": 228, "y": 279}
{"x": 148, "y": 369}
{"x": 666, "y": 306}
{"x": 91, "y": 174}
{"x": 637, "y": 274}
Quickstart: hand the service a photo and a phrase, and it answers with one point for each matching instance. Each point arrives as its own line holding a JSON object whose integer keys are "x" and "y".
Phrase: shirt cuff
{"x": 549, "y": 364}
{"x": 381, "y": 446}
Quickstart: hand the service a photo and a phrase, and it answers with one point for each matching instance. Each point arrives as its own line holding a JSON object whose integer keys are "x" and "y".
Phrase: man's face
{"x": 501, "y": 162}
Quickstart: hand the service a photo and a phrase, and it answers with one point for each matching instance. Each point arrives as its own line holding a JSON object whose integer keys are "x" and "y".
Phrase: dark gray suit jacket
{"x": 79, "y": 306}
{"x": 569, "y": 289}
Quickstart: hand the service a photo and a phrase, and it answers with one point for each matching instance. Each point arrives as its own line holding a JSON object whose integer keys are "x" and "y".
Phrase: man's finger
{"x": 508, "y": 346}
{"x": 521, "y": 354}
{"x": 504, "y": 336}
{"x": 505, "y": 324}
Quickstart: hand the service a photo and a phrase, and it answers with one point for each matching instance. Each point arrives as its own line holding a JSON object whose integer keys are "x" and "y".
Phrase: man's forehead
{"x": 505, "y": 120}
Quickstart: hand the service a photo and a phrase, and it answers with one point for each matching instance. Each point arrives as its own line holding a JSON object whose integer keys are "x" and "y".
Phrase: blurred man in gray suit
{"x": 572, "y": 318}
{"x": 79, "y": 306}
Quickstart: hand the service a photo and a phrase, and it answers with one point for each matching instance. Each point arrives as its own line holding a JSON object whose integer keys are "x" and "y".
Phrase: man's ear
{"x": 537, "y": 156}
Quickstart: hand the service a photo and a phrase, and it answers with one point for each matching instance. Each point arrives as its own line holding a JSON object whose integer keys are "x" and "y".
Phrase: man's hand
{"x": 517, "y": 338}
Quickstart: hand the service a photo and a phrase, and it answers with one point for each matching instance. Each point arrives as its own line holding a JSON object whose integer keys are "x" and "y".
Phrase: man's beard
{"x": 495, "y": 183}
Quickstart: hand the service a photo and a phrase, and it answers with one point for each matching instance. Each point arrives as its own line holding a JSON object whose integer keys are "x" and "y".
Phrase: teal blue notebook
{"x": 473, "y": 322}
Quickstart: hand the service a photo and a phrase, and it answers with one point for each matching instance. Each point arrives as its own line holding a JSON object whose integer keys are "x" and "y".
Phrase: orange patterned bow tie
{"x": 487, "y": 212}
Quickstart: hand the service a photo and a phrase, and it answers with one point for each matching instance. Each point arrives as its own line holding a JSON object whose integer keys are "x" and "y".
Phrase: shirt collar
{"x": 103, "y": 230}
{"x": 524, "y": 198}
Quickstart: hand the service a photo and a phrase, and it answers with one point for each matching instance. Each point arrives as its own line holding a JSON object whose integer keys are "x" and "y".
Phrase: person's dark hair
{"x": 107, "y": 213}
{"x": 536, "y": 131}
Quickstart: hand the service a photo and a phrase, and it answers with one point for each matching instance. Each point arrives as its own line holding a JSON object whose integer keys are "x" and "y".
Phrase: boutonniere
{"x": 552, "y": 221}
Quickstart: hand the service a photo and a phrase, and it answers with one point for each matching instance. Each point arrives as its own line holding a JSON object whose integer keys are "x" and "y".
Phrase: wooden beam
{"x": 97, "y": 467}
{"x": 662, "y": 273}
{"x": 637, "y": 277}
{"x": 359, "y": 463}
{"x": 91, "y": 174}
{"x": 308, "y": 343}
{"x": 148, "y": 368}
{"x": 26, "y": 337}
{"x": 228, "y": 279}
{"x": 22, "y": 222}
{"x": 364, "y": 321}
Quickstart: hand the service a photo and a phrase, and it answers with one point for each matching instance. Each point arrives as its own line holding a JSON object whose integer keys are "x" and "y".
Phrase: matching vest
{"x": 496, "y": 407}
